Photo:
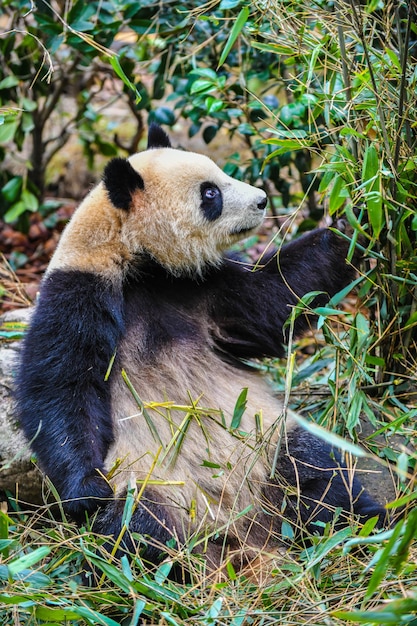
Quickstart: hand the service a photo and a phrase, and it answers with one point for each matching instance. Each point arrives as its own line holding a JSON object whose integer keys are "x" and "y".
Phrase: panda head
{"x": 180, "y": 207}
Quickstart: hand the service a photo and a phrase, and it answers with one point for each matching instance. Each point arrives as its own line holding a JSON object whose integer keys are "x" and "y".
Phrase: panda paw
{"x": 86, "y": 496}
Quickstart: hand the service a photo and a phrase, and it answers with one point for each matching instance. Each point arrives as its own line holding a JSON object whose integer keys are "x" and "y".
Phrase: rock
{"x": 18, "y": 475}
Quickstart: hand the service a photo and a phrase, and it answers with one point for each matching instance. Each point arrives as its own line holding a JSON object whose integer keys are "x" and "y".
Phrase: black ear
{"x": 121, "y": 180}
{"x": 157, "y": 138}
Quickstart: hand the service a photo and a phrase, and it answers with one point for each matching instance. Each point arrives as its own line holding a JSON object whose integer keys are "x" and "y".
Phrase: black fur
{"x": 151, "y": 519}
{"x": 325, "y": 484}
{"x": 121, "y": 181}
{"x": 157, "y": 138}
{"x": 63, "y": 399}
{"x": 251, "y": 307}
{"x": 211, "y": 201}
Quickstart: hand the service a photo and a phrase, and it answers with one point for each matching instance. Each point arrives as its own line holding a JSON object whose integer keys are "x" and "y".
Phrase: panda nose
{"x": 262, "y": 203}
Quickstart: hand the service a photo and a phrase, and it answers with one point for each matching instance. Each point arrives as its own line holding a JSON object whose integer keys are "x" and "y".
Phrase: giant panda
{"x": 138, "y": 372}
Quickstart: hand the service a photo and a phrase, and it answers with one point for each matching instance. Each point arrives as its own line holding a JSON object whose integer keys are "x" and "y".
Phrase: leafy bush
{"x": 55, "y": 65}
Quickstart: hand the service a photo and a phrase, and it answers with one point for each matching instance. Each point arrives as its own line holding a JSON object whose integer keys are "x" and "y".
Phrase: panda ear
{"x": 157, "y": 138}
{"x": 121, "y": 180}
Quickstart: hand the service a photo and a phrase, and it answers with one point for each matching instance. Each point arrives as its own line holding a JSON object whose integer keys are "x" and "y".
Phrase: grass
{"x": 344, "y": 576}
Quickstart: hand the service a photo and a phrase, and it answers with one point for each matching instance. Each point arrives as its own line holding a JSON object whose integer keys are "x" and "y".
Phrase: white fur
{"x": 208, "y": 498}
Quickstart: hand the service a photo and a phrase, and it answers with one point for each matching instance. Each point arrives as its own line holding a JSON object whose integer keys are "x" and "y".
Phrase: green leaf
{"x": 374, "y": 360}
{"x": 341, "y": 295}
{"x": 115, "y": 63}
{"x": 402, "y": 550}
{"x": 138, "y": 610}
{"x": 129, "y": 505}
{"x": 30, "y": 200}
{"x": 287, "y": 531}
{"x": 27, "y": 560}
{"x": 326, "y": 180}
{"x": 274, "y": 48}
{"x": 94, "y": 616}
{"x": 327, "y": 546}
{"x": 210, "y": 464}
{"x": 163, "y": 115}
{"x": 370, "y": 617}
{"x": 163, "y": 572}
{"x": 8, "y": 129}
{"x": 296, "y": 133}
{"x": 240, "y": 408}
{"x": 205, "y": 72}
{"x": 113, "y": 573}
{"x": 9, "y": 81}
{"x": 302, "y": 305}
{"x": 11, "y": 189}
{"x": 381, "y": 566}
{"x": 202, "y": 85}
{"x": 412, "y": 320}
{"x": 326, "y": 311}
{"x": 214, "y": 611}
{"x": 213, "y": 105}
{"x": 47, "y": 614}
{"x": 15, "y": 212}
{"x": 338, "y": 194}
{"x": 371, "y": 180}
{"x": 229, "y": 4}
{"x": 240, "y": 22}
{"x": 5, "y": 543}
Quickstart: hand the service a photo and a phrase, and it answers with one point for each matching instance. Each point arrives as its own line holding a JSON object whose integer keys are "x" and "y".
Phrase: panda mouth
{"x": 242, "y": 231}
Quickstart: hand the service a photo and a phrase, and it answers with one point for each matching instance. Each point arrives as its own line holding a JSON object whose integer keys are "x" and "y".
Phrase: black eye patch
{"x": 211, "y": 201}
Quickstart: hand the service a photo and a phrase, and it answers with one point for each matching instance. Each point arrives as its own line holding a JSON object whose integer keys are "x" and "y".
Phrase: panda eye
{"x": 210, "y": 193}
{"x": 211, "y": 201}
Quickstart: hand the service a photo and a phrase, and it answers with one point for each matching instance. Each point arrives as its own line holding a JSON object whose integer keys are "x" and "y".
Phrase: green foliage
{"x": 323, "y": 92}
{"x": 54, "y": 66}
{"x": 51, "y": 573}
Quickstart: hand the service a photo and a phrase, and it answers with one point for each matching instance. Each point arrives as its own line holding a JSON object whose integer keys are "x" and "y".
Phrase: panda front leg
{"x": 63, "y": 399}
{"x": 250, "y": 305}
{"x": 315, "y": 261}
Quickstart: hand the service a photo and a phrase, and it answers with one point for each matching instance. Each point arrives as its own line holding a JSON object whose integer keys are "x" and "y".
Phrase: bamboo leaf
{"x": 338, "y": 194}
{"x": 371, "y": 180}
{"x": 47, "y": 614}
{"x": 382, "y": 564}
{"x": 115, "y": 63}
{"x": 26, "y": 561}
{"x": 239, "y": 409}
{"x": 241, "y": 20}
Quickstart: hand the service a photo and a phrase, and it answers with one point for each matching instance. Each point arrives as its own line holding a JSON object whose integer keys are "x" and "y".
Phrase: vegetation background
{"x": 316, "y": 102}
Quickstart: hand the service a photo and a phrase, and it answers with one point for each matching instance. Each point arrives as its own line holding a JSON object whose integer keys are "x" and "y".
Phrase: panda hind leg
{"x": 324, "y": 485}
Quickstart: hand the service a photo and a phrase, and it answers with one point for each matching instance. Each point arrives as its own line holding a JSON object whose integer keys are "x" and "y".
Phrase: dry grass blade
{"x": 11, "y": 288}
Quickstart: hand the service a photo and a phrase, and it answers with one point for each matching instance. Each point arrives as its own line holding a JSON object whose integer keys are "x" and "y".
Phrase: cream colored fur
{"x": 208, "y": 498}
